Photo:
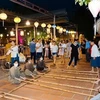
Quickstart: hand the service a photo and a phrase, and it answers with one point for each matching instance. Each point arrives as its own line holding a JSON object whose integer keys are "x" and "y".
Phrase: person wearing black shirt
{"x": 74, "y": 54}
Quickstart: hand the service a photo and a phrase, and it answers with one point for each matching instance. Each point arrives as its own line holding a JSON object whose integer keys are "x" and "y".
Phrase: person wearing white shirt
{"x": 54, "y": 51}
{"x": 95, "y": 56}
{"x": 68, "y": 51}
{"x": 39, "y": 49}
{"x": 62, "y": 48}
{"x": 14, "y": 52}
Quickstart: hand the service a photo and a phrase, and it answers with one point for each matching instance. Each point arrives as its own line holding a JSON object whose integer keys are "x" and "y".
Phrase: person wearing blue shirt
{"x": 32, "y": 46}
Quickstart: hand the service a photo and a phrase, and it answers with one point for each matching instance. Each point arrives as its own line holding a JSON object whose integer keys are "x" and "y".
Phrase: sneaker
{"x": 75, "y": 67}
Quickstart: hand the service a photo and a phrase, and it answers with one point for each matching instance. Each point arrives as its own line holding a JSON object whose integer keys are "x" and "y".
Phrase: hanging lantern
{"x": 61, "y": 30}
{"x": 64, "y": 30}
{"x": 48, "y": 30}
{"x": 58, "y": 27}
{"x": 36, "y": 24}
{"x": 27, "y": 22}
{"x": 49, "y": 26}
{"x": 94, "y": 7}
{"x": 22, "y": 33}
{"x": 17, "y": 20}
{"x": 3, "y": 17}
{"x": 12, "y": 33}
{"x": 43, "y": 25}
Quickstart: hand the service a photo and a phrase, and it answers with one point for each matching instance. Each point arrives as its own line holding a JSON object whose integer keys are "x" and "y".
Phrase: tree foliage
{"x": 82, "y": 2}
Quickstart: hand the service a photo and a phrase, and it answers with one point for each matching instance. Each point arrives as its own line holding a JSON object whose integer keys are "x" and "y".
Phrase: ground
{"x": 59, "y": 84}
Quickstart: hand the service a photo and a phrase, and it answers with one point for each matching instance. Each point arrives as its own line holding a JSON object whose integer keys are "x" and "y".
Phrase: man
{"x": 29, "y": 69}
{"x": 39, "y": 49}
{"x": 32, "y": 46}
{"x": 15, "y": 76}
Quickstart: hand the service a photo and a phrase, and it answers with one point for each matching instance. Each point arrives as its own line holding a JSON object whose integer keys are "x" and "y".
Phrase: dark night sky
{"x": 76, "y": 14}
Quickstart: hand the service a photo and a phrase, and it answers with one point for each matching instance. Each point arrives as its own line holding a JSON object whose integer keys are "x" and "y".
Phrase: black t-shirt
{"x": 74, "y": 49}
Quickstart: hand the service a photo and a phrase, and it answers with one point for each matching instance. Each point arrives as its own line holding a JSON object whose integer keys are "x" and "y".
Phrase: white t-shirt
{"x": 68, "y": 45}
{"x": 54, "y": 49}
{"x": 14, "y": 51}
{"x": 95, "y": 51}
{"x": 63, "y": 45}
{"x": 40, "y": 49}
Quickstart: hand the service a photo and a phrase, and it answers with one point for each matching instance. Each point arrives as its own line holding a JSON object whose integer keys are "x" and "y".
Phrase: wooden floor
{"x": 59, "y": 84}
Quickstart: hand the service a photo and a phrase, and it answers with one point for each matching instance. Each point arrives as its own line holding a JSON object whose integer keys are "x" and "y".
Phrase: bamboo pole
{"x": 10, "y": 98}
{"x": 58, "y": 88}
{"x": 79, "y": 71}
{"x": 17, "y": 96}
{"x": 71, "y": 86}
{"x": 91, "y": 91}
{"x": 76, "y": 73}
{"x": 17, "y": 88}
{"x": 72, "y": 77}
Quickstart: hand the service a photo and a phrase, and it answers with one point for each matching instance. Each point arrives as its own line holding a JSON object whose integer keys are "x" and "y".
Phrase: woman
{"x": 74, "y": 54}
{"x": 95, "y": 56}
{"x": 62, "y": 47}
{"x": 54, "y": 51}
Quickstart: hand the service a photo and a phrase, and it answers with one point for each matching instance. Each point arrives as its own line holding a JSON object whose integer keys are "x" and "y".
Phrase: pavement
{"x": 59, "y": 84}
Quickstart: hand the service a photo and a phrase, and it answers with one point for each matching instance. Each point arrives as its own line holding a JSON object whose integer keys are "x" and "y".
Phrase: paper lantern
{"x": 3, "y": 16}
{"x": 17, "y": 20}
{"x": 43, "y": 25}
{"x": 94, "y": 7}
{"x": 36, "y": 24}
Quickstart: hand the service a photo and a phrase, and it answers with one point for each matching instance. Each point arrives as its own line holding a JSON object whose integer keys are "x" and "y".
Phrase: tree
{"x": 82, "y": 2}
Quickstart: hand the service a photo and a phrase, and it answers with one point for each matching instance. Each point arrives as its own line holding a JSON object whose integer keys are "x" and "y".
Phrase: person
{"x": 62, "y": 47}
{"x": 32, "y": 46}
{"x": 22, "y": 58}
{"x": 15, "y": 75}
{"x": 74, "y": 54}
{"x": 14, "y": 52}
{"x": 30, "y": 69}
{"x": 54, "y": 50}
{"x": 7, "y": 47}
{"x": 87, "y": 47}
{"x": 40, "y": 66}
{"x": 46, "y": 46}
{"x": 95, "y": 56}
{"x": 68, "y": 47}
{"x": 39, "y": 49}
{"x": 83, "y": 47}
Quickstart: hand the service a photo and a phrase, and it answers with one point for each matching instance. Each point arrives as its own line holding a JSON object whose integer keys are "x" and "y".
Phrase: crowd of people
{"x": 41, "y": 49}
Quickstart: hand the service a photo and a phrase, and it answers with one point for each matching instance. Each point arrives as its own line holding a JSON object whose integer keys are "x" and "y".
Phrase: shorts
{"x": 54, "y": 54}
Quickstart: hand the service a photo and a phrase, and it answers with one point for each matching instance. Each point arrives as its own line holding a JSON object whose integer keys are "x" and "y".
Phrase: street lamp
{"x": 36, "y": 24}
{"x": 3, "y": 17}
{"x": 94, "y": 7}
{"x": 17, "y": 20}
